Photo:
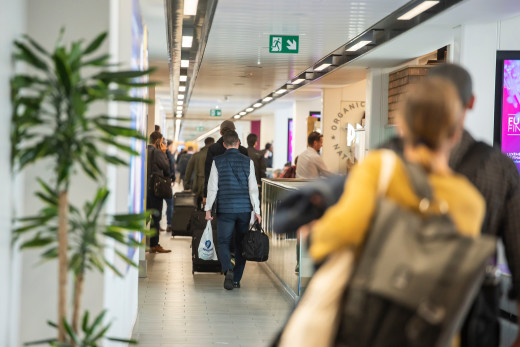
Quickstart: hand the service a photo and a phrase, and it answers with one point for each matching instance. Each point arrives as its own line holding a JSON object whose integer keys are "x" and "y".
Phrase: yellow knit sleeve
{"x": 346, "y": 223}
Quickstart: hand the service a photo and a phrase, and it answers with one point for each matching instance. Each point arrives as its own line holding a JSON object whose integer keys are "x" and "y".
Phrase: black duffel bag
{"x": 255, "y": 245}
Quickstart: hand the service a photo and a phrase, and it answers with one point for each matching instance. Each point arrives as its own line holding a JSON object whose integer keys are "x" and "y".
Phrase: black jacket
{"x": 214, "y": 150}
{"x": 157, "y": 164}
{"x": 259, "y": 161}
{"x": 171, "y": 159}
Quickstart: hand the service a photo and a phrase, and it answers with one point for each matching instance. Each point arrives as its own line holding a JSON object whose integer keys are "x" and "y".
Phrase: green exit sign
{"x": 284, "y": 43}
{"x": 200, "y": 128}
{"x": 215, "y": 112}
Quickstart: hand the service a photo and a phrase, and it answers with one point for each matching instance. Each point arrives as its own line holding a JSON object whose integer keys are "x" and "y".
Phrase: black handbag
{"x": 162, "y": 186}
{"x": 255, "y": 245}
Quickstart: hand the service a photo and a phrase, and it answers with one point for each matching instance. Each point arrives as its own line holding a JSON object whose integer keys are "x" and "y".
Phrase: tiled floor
{"x": 177, "y": 308}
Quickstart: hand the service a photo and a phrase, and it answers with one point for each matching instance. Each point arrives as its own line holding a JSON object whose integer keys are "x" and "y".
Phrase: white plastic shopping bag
{"x": 207, "y": 249}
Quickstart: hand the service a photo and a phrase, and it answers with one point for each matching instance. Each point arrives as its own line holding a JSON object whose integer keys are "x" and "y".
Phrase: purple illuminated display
{"x": 511, "y": 111}
{"x": 290, "y": 133}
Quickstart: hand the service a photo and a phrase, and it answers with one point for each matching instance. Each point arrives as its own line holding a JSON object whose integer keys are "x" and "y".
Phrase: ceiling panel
{"x": 237, "y": 65}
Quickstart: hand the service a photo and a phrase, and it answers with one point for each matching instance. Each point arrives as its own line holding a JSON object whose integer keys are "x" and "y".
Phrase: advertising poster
{"x": 511, "y": 110}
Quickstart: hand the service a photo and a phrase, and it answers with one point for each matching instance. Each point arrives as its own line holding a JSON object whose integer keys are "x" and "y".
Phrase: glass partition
{"x": 288, "y": 258}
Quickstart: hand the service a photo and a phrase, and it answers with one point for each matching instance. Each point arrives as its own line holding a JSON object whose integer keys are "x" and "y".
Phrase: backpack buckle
{"x": 433, "y": 314}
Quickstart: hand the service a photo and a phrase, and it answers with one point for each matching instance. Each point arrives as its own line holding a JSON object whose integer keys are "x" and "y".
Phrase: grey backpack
{"x": 416, "y": 276}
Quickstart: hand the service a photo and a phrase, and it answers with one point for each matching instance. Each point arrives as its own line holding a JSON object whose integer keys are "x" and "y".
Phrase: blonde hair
{"x": 431, "y": 112}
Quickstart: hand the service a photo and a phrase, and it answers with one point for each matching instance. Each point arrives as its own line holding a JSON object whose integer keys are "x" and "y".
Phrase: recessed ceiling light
{"x": 179, "y": 115}
{"x": 180, "y": 102}
{"x": 179, "y": 108}
{"x": 267, "y": 99}
{"x": 180, "y": 96}
{"x": 185, "y": 63}
{"x": 249, "y": 109}
{"x": 190, "y": 7}
{"x": 187, "y": 41}
{"x": 236, "y": 116}
{"x": 281, "y": 91}
{"x": 258, "y": 104}
{"x": 358, "y": 45}
{"x": 182, "y": 89}
{"x": 322, "y": 67}
{"x": 298, "y": 81}
{"x": 417, "y": 10}
{"x": 242, "y": 113}
{"x": 183, "y": 78}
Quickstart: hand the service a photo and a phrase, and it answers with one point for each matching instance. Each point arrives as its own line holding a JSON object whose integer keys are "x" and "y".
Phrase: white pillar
{"x": 376, "y": 107}
{"x": 12, "y": 18}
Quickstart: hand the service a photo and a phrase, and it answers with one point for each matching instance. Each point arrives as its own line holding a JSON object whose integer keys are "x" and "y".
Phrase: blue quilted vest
{"x": 233, "y": 188}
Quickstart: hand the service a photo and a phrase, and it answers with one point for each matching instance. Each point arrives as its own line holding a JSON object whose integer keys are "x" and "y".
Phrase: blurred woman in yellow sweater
{"x": 431, "y": 123}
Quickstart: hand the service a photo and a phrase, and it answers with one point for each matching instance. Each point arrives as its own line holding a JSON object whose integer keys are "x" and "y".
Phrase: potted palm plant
{"x": 51, "y": 120}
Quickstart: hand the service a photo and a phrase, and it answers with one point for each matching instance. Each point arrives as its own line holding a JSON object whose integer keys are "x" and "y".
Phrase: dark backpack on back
{"x": 415, "y": 279}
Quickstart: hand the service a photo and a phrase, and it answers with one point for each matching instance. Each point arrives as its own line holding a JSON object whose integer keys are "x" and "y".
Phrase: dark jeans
{"x": 155, "y": 204}
{"x": 169, "y": 211}
{"x": 226, "y": 224}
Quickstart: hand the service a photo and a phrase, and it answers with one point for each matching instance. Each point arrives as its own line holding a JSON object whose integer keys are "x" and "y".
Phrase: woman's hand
{"x": 208, "y": 215}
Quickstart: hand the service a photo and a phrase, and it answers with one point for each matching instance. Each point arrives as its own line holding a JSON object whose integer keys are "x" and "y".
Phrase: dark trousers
{"x": 226, "y": 224}
{"x": 169, "y": 211}
{"x": 155, "y": 204}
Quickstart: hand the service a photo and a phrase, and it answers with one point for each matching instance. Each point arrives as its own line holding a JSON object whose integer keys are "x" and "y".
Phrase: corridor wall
{"x": 475, "y": 48}
{"x": 12, "y": 18}
{"x": 82, "y": 20}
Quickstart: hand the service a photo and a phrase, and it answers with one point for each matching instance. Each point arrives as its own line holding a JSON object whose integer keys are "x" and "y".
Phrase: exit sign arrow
{"x": 284, "y": 43}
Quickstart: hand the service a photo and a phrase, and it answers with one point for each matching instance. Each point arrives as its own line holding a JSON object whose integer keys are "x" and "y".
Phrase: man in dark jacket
{"x": 169, "y": 202}
{"x": 157, "y": 165}
{"x": 196, "y": 168}
{"x": 496, "y": 177}
{"x": 232, "y": 185}
{"x": 257, "y": 157}
{"x": 217, "y": 149}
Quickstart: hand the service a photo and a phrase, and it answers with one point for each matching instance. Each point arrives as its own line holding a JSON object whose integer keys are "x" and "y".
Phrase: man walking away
{"x": 217, "y": 149}
{"x": 183, "y": 164}
{"x": 196, "y": 168}
{"x": 258, "y": 159}
{"x": 157, "y": 165}
{"x": 232, "y": 184}
{"x": 169, "y": 202}
{"x": 310, "y": 163}
{"x": 268, "y": 155}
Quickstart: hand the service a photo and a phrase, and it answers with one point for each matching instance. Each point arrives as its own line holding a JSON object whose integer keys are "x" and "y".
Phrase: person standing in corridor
{"x": 310, "y": 163}
{"x": 232, "y": 185}
{"x": 157, "y": 165}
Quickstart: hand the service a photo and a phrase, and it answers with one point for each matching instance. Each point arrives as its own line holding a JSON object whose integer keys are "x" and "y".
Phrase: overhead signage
{"x": 215, "y": 112}
{"x": 284, "y": 43}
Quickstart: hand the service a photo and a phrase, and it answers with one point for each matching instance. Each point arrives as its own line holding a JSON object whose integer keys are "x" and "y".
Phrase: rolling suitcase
{"x": 184, "y": 204}
{"x": 197, "y": 225}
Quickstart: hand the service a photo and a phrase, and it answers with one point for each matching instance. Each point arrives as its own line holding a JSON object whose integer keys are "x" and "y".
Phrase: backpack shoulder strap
{"x": 387, "y": 169}
{"x": 419, "y": 180}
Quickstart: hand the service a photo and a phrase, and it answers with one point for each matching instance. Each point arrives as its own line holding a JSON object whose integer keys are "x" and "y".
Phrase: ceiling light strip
{"x": 203, "y": 136}
{"x": 417, "y": 10}
{"x": 190, "y": 7}
{"x": 358, "y": 46}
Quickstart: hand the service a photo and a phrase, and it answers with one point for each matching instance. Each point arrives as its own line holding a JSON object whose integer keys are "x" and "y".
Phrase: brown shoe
{"x": 159, "y": 249}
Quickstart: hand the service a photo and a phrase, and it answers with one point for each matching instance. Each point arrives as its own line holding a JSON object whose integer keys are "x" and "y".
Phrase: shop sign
{"x": 343, "y": 128}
